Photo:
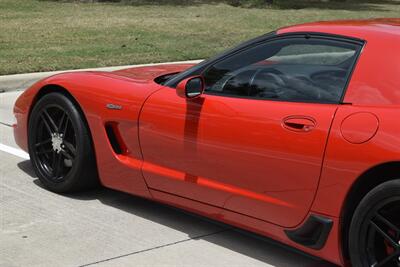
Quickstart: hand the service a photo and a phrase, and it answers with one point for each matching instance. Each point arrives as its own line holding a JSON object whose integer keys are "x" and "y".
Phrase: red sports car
{"x": 294, "y": 135}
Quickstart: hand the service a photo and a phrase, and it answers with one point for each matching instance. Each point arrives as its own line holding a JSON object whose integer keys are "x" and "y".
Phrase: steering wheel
{"x": 271, "y": 75}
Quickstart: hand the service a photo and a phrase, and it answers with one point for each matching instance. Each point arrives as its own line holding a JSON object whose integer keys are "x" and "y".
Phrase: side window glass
{"x": 297, "y": 69}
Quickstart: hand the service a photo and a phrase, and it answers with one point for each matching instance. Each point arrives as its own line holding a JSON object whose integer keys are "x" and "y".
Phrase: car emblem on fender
{"x": 114, "y": 106}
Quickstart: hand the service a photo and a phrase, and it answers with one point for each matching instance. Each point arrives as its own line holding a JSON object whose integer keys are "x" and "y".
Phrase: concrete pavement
{"x": 7, "y": 101}
{"x": 108, "y": 228}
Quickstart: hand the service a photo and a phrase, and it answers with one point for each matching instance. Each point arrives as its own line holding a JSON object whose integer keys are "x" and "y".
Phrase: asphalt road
{"x": 108, "y": 228}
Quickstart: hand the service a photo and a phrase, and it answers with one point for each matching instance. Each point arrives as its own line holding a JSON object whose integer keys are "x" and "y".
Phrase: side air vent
{"x": 114, "y": 138}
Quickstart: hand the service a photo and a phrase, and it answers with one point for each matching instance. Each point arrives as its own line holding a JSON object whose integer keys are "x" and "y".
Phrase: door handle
{"x": 299, "y": 123}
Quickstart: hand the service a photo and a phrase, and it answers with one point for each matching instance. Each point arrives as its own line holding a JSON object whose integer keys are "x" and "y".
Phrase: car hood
{"x": 146, "y": 74}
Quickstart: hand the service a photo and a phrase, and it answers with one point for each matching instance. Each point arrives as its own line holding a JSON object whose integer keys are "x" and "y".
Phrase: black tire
{"x": 374, "y": 237}
{"x": 60, "y": 145}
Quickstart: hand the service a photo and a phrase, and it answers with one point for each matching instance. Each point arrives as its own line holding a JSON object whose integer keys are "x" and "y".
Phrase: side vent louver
{"x": 114, "y": 138}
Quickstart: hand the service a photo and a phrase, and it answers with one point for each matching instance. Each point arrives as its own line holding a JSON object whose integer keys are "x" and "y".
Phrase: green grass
{"x": 53, "y": 35}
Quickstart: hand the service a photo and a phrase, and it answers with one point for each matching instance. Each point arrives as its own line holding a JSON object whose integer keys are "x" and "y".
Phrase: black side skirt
{"x": 313, "y": 233}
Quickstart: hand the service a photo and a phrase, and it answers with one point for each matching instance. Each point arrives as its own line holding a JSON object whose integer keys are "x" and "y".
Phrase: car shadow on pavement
{"x": 26, "y": 167}
{"x": 257, "y": 247}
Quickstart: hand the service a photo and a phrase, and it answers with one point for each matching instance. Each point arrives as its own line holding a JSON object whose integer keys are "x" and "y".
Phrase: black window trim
{"x": 205, "y": 65}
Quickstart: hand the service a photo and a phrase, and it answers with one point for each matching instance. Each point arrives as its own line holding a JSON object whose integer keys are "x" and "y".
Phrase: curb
{"x": 17, "y": 82}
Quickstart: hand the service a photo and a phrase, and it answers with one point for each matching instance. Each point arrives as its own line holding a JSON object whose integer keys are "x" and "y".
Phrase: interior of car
{"x": 290, "y": 72}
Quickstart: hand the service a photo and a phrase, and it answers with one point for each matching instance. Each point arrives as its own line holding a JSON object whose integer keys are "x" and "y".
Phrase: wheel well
{"x": 364, "y": 184}
{"x": 53, "y": 88}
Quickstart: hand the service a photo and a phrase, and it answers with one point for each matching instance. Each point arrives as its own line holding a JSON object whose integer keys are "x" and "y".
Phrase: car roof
{"x": 361, "y": 29}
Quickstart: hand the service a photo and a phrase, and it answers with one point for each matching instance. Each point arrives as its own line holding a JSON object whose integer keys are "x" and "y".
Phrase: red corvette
{"x": 294, "y": 135}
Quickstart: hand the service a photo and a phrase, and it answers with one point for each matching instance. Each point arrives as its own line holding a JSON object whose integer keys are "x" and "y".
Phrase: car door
{"x": 254, "y": 142}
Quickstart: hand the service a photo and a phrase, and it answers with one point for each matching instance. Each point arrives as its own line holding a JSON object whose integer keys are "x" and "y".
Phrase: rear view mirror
{"x": 191, "y": 87}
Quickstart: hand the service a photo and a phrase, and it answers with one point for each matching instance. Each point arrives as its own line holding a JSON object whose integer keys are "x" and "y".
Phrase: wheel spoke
{"x": 46, "y": 124}
{"x": 53, "y": 160}
{"x": 44, "y": 152}
{"x": 385, "y": 235}
{"x": 60, "y": 123}
{"x": 387, "y": 260}
{"x": 43, "y": 142}
{"x": 50, "y": 121}
{"x": 67, "y": 154}
{"x": 63, "y": 125}
{"x": 70, "y": 148}
{"x": 390, "y": 225}
{"x": 57, "y": 166}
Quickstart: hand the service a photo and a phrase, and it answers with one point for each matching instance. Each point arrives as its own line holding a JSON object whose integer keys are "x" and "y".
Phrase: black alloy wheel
{"x": 374, "y": 239}
{"x": 60, "y": 146}
{"x": 55, "y": 144}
